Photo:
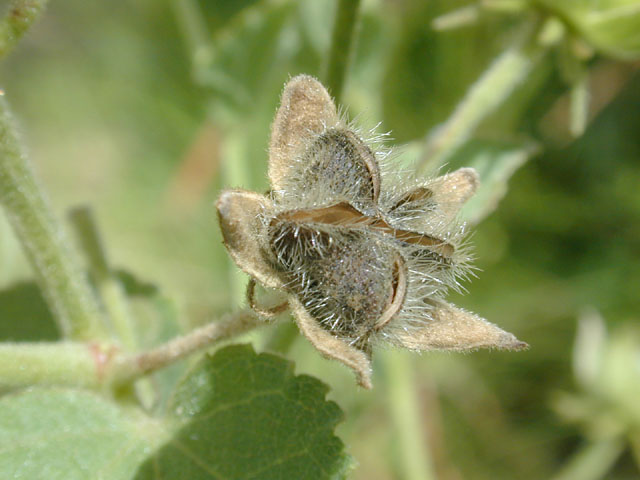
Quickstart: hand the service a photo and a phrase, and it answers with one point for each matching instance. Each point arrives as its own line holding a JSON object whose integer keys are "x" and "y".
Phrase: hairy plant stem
{"x": 57, "y": 268}
{"x": 490, "y": 91}
{"x": 342, "y": 39}
{"x": 136, "y": 366}
{"x": 411, "y": 449}
{"x": 103, "y": 365}
{"x": 19, "y": 17}
{"x": 61, "y": 364}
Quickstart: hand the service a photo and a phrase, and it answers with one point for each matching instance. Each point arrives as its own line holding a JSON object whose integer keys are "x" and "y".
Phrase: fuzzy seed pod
{"x": 362, "y": 256}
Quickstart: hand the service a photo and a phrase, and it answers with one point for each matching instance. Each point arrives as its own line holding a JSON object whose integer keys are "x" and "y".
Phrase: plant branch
{"x": 99, "y": 366}
{"x": 20, "y": 16}
{"x": 490, "y": 91}
{"x": 57, "y": 269}
{"x": 341, "y": 46}
{"x": 60, "y": 363}
{"x": 135, "y": 366}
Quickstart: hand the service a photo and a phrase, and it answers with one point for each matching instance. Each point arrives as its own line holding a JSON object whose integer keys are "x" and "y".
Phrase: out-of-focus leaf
{"x": 247, "y": 416}
{"x": 218, "y": 13}
{"x": 253, "y": 50}
{"x": 635, "y": 448}
{"x": 24, "y": 315}
{"x": 496, "y": 163}
{"x": 592, "y": 462}
{"x": 243, "y": 51}
{"x": 607, "y": 404}
{"x": 427, "y": 72}
{"x": 619, "y": 379}
{"x": 589, "y": 348}
{"x": 253, "y": 56}
{"x": 135, "y": 286}
{"x": 69, "y": 434}
{"x": 156, "y": 315}
{"x": 156, "y": 322}
{"x": 611, "y": 26}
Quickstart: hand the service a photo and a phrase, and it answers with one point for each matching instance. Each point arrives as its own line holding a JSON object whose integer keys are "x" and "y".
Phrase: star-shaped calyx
{"x": 361, "y": 256}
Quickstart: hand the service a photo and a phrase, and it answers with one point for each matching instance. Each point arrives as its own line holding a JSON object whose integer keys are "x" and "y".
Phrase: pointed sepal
{"x": 332, "y": 347}
{"x": 306, "y": 110}
{"x": 452, "y": 328}
{"x": 452, "y": 190}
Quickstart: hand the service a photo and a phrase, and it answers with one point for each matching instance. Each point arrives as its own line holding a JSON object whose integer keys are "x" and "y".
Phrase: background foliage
{"x": 145, "y": 110}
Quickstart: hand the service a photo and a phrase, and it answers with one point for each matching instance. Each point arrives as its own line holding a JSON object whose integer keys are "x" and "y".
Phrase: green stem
{"x": 592, "y": 461}
{"x": 411, "y": 448}
{"x": 110, "y": 289}
{"x": 341, "y": 46}
{"x": 60, "y": 364}
{"x": 21, "y": 15}
{"x": 65, "y": 288}
{"x": 95, "y": 365}
{"x": 490, "y": 91}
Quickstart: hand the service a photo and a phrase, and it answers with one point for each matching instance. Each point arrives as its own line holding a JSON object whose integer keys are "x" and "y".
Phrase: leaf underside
{"x": 72, "y": 434}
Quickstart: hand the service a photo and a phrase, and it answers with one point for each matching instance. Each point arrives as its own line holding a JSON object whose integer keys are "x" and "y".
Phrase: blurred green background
{"x": 144, "y": 110}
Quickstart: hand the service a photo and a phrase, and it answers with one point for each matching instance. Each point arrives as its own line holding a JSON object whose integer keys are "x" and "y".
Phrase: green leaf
{"x": 71, "y": 434}
{"x": 246, "y": 416}
{"x": 247, "y": 53}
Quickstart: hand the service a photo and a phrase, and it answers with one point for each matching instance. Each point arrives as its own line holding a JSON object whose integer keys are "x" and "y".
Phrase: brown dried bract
{"x": 361, "y": 256}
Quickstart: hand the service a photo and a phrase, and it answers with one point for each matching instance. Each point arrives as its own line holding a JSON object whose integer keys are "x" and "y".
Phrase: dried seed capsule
{"x": 343, "y": 276}
{"x": 359, "y": 258}
{"x": 338, "y": 162}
